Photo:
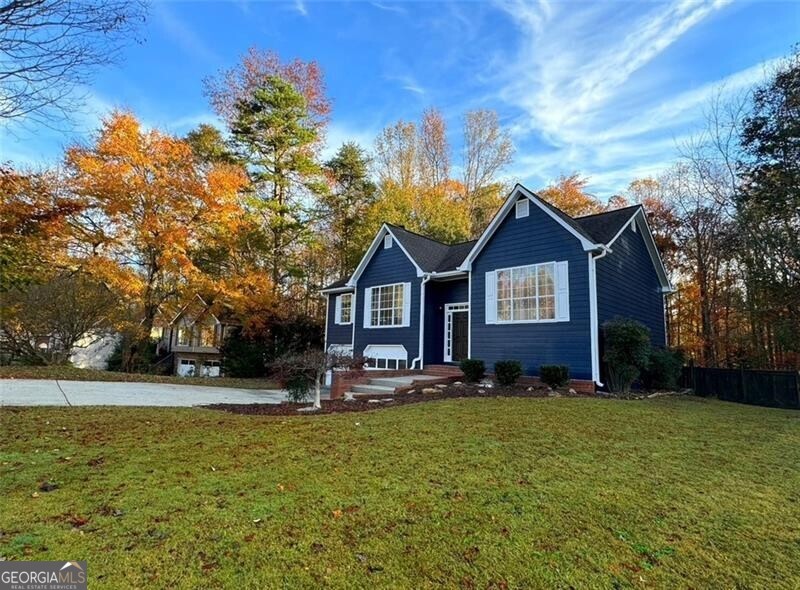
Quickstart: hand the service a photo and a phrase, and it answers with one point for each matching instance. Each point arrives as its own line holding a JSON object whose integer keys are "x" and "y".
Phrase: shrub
{"x": 298, "y": 387}
{"x": 507, "y": 372}
{"x": 627, "y": 352}
{"x": 554, "y": 375}
{"x": 664, "y": 369}
{"x": 473, "y": 369}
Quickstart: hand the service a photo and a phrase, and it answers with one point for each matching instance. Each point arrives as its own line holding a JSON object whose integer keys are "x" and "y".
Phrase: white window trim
{"x": 554, "y": 320}
{"x": 522, "y": 209}
{"x": 405, "y": 321}
{"x": 387, "y": 241}
{"x": 337, "y": 314}
{"x": 449, "y": 310}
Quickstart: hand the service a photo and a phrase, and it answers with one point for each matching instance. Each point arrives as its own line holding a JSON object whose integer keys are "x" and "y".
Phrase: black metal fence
{"x": 775, "y": 389}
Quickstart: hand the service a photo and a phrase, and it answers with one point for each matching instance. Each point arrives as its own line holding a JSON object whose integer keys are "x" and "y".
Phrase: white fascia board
{"x": 625, "y": 226}
{"x": 661, "y": 270}
{"x": 512, "y": 198}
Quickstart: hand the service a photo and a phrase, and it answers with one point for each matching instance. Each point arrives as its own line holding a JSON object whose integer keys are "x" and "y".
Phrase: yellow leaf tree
{"x": 146, "y": 204}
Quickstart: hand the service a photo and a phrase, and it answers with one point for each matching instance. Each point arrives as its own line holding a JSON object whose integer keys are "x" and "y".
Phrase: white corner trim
{"x": 362, "y": 265}
{"x": 469, "y": 316}
{"x": 500, "y": 216}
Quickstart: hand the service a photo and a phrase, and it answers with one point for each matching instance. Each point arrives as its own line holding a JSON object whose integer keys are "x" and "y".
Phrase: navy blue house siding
{"x": 628, "y": 286}
{"x": 385, "y": 268}
{"x": 437, "y": 294}
{"x": 517, "y": 242}
{"x": 337, "y": 334}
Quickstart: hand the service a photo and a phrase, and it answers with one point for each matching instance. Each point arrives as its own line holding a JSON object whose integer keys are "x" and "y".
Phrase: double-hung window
{"x": 528, "y": 293}
{"x": 344, "y": 309}
{"x": 387, "y": 306}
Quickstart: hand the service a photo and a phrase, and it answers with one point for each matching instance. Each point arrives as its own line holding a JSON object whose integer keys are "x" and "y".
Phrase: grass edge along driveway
{"x": 471, "y": 493}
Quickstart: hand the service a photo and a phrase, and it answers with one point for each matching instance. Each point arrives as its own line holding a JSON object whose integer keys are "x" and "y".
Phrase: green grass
{"x": 479, "y": 493}
{"x": 67, "y": 373}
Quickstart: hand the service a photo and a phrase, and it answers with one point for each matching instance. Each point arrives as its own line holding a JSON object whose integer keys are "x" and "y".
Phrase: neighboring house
{"x": 194, "y": 337}
{"x": 536, "y": 287}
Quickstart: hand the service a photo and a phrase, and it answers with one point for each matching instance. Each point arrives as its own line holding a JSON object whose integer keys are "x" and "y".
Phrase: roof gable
{"x": 568, "y": 223}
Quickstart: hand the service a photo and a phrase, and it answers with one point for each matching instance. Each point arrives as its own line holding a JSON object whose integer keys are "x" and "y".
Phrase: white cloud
{"x": 584, "y": 97}
{"x": 300, "y": 7}
{"x": 389, "y": 7}
{"x": 340, "y": 132}
{"x": 184, "y": 36}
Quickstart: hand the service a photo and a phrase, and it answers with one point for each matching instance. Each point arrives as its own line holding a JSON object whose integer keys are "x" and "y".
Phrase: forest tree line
{"x": 251, "y": 216}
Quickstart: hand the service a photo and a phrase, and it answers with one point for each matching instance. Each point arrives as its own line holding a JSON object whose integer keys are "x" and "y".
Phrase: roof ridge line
{"x": 610, "y": 211}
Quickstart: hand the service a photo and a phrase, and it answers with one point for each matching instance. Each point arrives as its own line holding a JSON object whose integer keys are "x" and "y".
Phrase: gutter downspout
{"x": 594, "y": 327}
{"x": 425, "y": 279}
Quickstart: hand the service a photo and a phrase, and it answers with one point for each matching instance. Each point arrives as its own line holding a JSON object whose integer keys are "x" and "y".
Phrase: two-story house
{"x": 194, "y": 337}
{"x": 536, "y": 287}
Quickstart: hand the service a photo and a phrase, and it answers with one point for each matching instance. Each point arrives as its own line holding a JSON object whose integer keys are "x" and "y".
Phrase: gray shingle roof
{"x": 431, "y": 255}
{"x": 434, "y": 256}
{"x": 604, "y": 226}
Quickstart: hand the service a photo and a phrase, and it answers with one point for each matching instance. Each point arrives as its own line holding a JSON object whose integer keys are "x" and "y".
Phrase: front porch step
{"x": 372, "y": 389}
{"x": 402, "y": 381}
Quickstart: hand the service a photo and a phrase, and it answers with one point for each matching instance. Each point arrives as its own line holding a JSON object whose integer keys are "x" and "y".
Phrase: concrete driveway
{"x": 40, "y": 392}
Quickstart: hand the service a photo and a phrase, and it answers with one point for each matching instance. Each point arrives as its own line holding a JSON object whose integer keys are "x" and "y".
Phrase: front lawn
{"x": 469, "y": 493}
{"x": 67, "y": 373}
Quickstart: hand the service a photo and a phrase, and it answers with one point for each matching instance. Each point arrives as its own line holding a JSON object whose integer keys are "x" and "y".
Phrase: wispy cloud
{"x": 184, "y": 36}
{"x": 579, "y": 80}
{"x": 389, "y": 7}
{"x": 408, "y": 83}
{"x": 300, "y": 7}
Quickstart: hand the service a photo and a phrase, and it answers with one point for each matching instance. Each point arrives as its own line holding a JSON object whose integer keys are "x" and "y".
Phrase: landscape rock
{"x": 430, "y": 390}
{"x": 481, "y": 391}
{"x": 573, "y": 392}
{"x": 457, "y": 383}
{"x": 308, "y": 409}
{"x": 441, "y": 385}
{"x": 349, "y": 397}
{"x": 373, "y": 401}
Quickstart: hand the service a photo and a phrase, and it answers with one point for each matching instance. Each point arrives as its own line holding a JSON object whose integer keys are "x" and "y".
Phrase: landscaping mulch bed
{"x": 362, "y": 405}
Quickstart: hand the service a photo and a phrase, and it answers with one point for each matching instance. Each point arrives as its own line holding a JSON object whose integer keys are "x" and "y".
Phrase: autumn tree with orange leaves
{"x": 146, "y": 204}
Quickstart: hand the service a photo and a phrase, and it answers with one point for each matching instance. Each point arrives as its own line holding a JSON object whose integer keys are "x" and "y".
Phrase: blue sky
{"x": 604, "y": 89}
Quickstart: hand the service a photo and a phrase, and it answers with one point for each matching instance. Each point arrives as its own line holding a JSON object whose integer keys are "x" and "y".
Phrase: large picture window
{"x": 527, "y": 293}
{"x": 387, "y": 306}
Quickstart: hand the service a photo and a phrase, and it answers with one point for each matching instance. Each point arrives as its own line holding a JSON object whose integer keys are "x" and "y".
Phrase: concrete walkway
{"x": 42, "y": 392}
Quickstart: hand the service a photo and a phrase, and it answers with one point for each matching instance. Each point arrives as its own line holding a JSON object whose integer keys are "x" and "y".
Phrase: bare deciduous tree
{"x": 487, "y": 151}
{"x": 50, "y": 48}
{"x": 434, "y": 150}
{"x": 42, "y": 323}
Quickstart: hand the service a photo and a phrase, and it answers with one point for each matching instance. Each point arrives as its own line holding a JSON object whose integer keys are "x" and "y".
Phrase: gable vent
{"x": 522, "y": 208}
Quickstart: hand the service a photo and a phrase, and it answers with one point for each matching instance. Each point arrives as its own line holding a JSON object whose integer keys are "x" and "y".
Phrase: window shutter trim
{"x": 406, "y": 304}
{"x": 367, "y": 306}
{"x": 491, "y": 297}
{"x": 337, "y": 314}
{"x": 562, "y": 291}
